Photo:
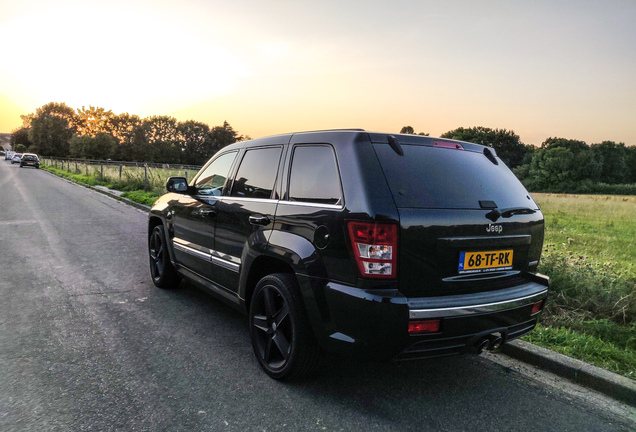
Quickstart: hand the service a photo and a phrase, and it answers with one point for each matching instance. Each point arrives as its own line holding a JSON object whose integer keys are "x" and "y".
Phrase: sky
{"x": 539, "y": 68}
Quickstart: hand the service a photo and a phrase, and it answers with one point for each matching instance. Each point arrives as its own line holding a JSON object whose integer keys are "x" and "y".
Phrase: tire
{"x": 162, "y": 271}
{"x": 281, "y": 335}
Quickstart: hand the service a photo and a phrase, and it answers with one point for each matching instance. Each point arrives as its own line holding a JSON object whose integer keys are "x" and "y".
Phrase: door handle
{"x": 259, "y": 220}
{"x": 203, "y": 212}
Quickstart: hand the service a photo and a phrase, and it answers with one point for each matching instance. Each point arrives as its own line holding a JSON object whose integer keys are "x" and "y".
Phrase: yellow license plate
{"x": 487, "y": 261}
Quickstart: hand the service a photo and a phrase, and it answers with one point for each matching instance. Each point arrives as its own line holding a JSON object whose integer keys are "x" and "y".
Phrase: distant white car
{"x": 16, "y": 158}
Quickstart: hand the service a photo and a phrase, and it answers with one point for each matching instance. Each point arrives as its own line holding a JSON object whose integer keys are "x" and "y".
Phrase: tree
{"x": 126, "y": 129}
{"x": 50, "y": 135}
{"x": 630, "y": 160}
{"x": 52, "y": 127}
{"x": 195, "y": 137}
{"x": 161, "y": 136}
{"x": 410, "y": 131}
{"x": 20, "y": 148}
{"x": 221, "y": 136}
{"x": 506, "y": 143}
{"x": 560, "y": 164}
{"x": 93, "y": 120}
{"x": 613, "y": 156}
{"x": 101, "y": 146}
{"x": 20, "y": 136}
{"x": 570, "y": 144}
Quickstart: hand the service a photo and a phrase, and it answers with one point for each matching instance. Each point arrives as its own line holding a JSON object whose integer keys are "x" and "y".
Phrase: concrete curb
{"x": 613, "y": 385}
{"x": 106, "y": 191}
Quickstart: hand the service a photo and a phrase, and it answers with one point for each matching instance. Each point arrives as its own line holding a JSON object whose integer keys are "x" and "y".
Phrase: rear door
{"x": 466, "y": 223}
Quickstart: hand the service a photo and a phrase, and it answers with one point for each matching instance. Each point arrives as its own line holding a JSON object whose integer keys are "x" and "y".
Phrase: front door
{"x": 194, "y": 218}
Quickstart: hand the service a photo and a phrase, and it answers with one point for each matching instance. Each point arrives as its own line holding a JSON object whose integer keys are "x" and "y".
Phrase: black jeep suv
{"x": 385, "y": 246}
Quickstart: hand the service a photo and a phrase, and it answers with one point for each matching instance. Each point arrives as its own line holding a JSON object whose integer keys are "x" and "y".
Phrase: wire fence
{"x": 126, "y": 175}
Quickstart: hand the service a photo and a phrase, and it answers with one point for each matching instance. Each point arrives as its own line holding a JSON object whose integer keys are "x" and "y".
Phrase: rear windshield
{"x": 430, "y": 177}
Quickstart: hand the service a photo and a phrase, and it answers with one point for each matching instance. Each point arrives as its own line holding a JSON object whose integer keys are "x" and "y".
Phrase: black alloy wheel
{"x": 282, "y": 338}
{"x": 163, "y": 273}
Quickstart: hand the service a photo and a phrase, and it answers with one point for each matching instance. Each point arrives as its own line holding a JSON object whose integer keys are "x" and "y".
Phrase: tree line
{"x": 58, "y": 130}
{"x": 558, "y": 164}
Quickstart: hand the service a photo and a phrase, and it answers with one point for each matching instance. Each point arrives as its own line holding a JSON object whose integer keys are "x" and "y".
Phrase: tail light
{"x": 374, "y": 248}
{"x": 424, "y": 326}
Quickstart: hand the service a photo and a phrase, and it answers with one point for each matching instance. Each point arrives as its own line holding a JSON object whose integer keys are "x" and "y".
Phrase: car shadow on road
{"x": 451, "y": 393}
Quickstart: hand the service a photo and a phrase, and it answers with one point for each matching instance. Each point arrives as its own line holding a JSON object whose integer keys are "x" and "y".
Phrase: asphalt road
{"x": 88, "y": 343}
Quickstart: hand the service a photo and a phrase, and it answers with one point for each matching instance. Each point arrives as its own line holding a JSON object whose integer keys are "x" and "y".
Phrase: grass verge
{"x": 138, "y": 196}
{"x": 142, "y": 197}
{"x": 589, "y": 256}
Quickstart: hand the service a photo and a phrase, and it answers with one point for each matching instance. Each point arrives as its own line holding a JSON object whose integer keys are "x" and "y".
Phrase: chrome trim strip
{"x": 207, "y": 254}
{"x": 476, "y": 309}
{"x": 260, "y": 200}
{"x": 228, "y": 265}
{"x": 192, "y": 251}
{"x": 317, "y": 205}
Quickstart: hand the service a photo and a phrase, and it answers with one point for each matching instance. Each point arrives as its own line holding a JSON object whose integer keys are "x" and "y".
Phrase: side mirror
{"x": 177, "y": 185}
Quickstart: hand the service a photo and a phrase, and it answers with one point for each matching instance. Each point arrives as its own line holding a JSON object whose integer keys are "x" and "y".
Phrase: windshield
{"x": 430, "y": 177}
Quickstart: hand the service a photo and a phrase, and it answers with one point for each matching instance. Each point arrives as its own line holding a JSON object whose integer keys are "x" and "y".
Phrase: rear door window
{"x": 256, "y": 175}
{"x": 314, "y": 176}
{"x": 430, "y": 177}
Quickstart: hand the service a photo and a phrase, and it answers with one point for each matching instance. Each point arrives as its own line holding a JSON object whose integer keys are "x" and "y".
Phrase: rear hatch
{"x": 466, "y": 223}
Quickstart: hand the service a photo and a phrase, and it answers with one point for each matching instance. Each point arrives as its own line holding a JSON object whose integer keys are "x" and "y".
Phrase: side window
{"x": 257, "y": 174}
{"x": 211, "y": 181}
{"x": 314, "y": 175}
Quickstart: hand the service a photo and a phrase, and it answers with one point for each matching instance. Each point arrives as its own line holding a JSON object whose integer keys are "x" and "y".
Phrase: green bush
{"x": 147, "y": 198}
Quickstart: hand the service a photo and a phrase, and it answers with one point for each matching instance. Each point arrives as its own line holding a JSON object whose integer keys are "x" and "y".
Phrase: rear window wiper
{"x": 495, "y": 214}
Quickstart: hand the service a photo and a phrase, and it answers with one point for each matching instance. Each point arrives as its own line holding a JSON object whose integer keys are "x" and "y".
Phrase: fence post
{"x": 121, "y": 166}
{"x": 145, "y": 177}
{"x": 101, "y": 171}
{"x": 75, "y": 167}
{"x": 186, "y": 176}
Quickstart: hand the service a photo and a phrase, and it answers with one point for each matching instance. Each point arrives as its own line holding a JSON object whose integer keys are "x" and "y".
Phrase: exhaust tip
{"x": 495, "y": 342}
{"x": 482, "y": 345}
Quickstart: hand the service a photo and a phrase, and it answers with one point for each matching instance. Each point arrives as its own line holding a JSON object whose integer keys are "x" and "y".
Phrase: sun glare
{"x": 123, "y": 61}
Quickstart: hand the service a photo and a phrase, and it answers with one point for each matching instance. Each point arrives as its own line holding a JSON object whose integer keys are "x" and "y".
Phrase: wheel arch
{"x": 155, "y": 220}
{"x": 284, "y": 253}
{"x": 262, "y": 266}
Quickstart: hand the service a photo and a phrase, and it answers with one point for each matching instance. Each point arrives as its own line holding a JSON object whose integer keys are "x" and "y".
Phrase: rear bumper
{"x": 374, "y": 323}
